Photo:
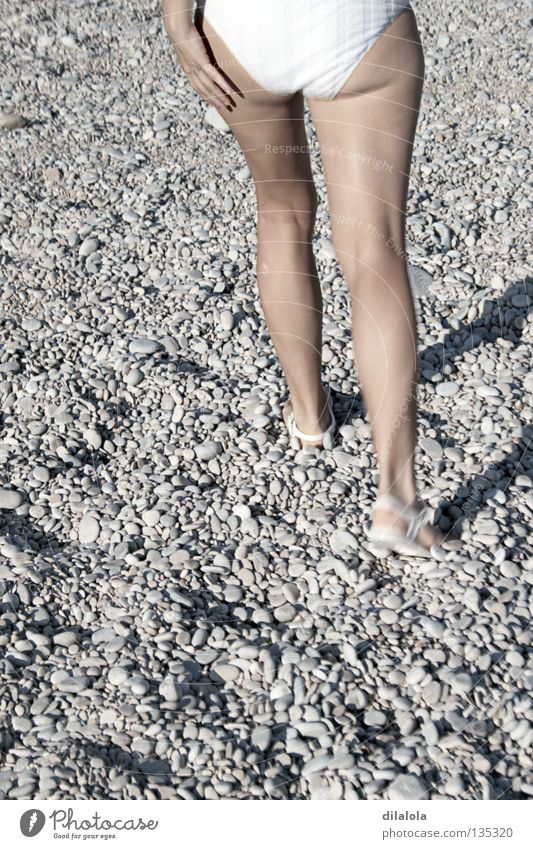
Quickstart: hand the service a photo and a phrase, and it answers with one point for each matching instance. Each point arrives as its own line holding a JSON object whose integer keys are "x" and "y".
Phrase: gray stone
{"x": 317, "y": 764}
{"x": 151, "y": 518}
{"x": 11, "y": 121}
{"x": 407, "y": 787}
{"x": 227, "y": 671}
{"x": 88, "y": 247}
{"x": 285, "y": 613}
{"x": 93, "y": 438}
{"x": 374, "y": 717}
{"x": 66, "y": 638}
{"x": 10, "y": 499}
{"x": 227, "y": 320}
{"x": 447, "y": 389}
{"x": 143, "y": 345}
{"x": 117, "y": 675}
{"x": 208, "y": 450}
{"x": 342, "y": 540}
{"x": 261, "y": 738}
{"x": 168, "y": 689}
{"x": 312, "y": 729}
{"x": 139, "y": 686}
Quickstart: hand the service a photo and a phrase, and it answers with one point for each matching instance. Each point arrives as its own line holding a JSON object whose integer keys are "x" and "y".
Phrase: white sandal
{"x": 325, "y": 437}
{"x": 387, "y": 539}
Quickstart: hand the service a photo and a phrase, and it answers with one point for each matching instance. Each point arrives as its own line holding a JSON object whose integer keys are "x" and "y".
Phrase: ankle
{"x": 314, "y": 415}
{"x": 406, "y": 493}
{"x": 313, "y": 422}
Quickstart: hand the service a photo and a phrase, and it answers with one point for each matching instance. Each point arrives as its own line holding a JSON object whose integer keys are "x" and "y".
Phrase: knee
{"x": 286, "y": 206}
{"x": 375, "y": 259}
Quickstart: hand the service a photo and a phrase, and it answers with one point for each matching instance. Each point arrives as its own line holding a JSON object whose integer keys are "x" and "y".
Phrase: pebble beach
{"x": 189, "y": 608}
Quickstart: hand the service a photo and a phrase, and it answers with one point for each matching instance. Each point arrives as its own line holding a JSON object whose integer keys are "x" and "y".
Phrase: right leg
{"x": 270, "y": 130}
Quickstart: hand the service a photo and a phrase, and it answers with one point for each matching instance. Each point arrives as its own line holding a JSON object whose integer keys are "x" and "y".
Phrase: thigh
{"x": 366, "y": 135}
{"x": 269, "y": 127}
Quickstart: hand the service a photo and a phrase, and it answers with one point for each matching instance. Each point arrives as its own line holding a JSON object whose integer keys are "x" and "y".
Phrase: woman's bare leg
{"x": 366, "y": 135}
{"x": 270, "y": 130}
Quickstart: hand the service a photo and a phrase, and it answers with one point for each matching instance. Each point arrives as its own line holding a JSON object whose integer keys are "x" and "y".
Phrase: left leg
{"x": 366, "y": 135}
{"x": 270, "y": 130}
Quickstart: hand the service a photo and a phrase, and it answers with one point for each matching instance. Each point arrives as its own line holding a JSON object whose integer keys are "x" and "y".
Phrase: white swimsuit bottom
{"x": 311, "y": 46}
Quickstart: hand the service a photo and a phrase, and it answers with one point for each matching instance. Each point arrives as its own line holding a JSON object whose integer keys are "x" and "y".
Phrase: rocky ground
{"x": 187, "y": 605}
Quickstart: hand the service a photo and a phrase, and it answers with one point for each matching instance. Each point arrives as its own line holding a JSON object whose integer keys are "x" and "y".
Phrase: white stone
{"x": 407, "y": 787}
{"x": 214, "y": 119}
{"x": 89, "y": 530}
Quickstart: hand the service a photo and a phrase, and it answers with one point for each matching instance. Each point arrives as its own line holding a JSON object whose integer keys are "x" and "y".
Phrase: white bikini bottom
{"x": 311, "y": 46}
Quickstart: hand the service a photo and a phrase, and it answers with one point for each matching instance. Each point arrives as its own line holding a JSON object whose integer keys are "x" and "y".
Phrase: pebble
{"x": 73, "y": 684}
{"x": 139, "y": 686}
{"x": 447, "y": 389}
{"x": 214, "y": 119}
{"x": 41, "y": 473}
{"x": 227, "y": 671}
{"x": 390, "y": 617}
{"x": 10, "y": 499}
{"x": 407, "y": 787}
{"x": 421, "y": 281}
{"x": 342, "y": 540}
{"x": 374, "y": 717}
{"x": 431, "y": 733}
{"x": 118, "y": 675}
{"x": 88, "y": 247}
{"x": 89, "y": 530}
{"x": 514, "y": 658}
{"x": 227, "y": 320}
{"x": 461, "y": 682}
{"x": 66, "y": 638}
{"x": 93, "y": 438}
{"x": 471, "y": 599}
{"x": 317, "y": 764}
{"x": 285, "y": 613}
{"x": 169, "y": 690}
{"x": 151, "y": 518}
{"x": 431, "y": 447}
{"x": 312, "y": 729}
{"x": 208, "y": 450}
{"x": 21, "y": 723}
{"x": 261, "y": 739}
{"x": 11, "y": 121}
{"x": 144, "y": 346}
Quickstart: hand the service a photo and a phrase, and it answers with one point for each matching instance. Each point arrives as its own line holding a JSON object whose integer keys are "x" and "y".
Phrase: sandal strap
{"x": 295, "y": 431}
{"x": 416, "y": 519}
{"x": 418, "y": 522}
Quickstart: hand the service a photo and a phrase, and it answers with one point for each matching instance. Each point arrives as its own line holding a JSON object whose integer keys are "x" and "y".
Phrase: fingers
{"x": 218, "y": 79}
{"x": 206, "y": 80}
{"x": 207, "y": 88}
{"x": 216, "y": 85}
{"x": 203, "y": 90}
